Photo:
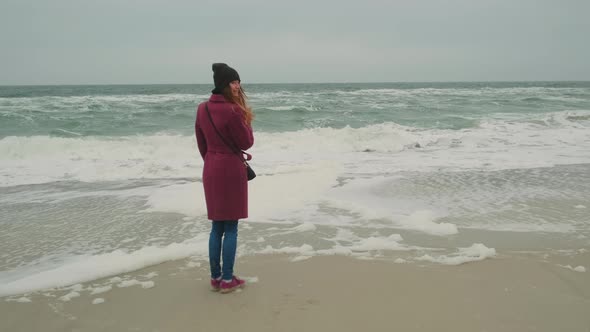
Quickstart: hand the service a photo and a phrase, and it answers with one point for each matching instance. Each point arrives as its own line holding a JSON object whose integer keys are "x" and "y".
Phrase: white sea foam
{"x": 82, "y": 102}
{"x": 338, "y": 250}
{"x": 424, "y": 221}
{"x": 133, "y": 282}
{"x": 41, "y": 159}
{"x": 128, "y": 240}
{"x": 271, "y": 197}
{"x": 290, "y": 190}
{"x": 523, "y": 227}
{"x": 100, "y": 290}
{"x": 368, "y": 199}
{"x": 281, "y": 108}
{"x": 75, "y": 287}
{"x": 87, "y": 268}
{"x": 365, "y": 197}
{"x": 388, "y": 147}
{"x": 291, "y": 107}
{"x": 187, "y": 198}
{"x": 22, "y": 299}
{"x": 98, "y": 300}
{"x": 356, "y": 245}
{"x": 300, "y": 258}
{"x": 487, "y": 91}
{"x": 578, "y": 268}
{"x": 379, "y": 243}
{"x": 305, "y": 227}
{"x": 68, "y": 297}
{"x": 303, "y": 249}
{"x": 476, "y": 252}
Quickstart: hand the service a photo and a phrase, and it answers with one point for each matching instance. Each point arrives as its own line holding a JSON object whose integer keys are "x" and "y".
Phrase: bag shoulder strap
{"x": 230, "y": 146}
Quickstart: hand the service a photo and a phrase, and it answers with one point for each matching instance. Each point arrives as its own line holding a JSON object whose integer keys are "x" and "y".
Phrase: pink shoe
{"x": 230, "y": 286}
{"x": 215, "y": 284}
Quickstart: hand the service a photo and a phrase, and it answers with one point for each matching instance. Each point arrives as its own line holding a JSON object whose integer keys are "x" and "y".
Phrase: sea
{"x": 100, "y": 180}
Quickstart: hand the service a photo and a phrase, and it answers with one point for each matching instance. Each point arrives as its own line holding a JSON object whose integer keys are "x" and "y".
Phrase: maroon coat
{"x": 224, "y": 173}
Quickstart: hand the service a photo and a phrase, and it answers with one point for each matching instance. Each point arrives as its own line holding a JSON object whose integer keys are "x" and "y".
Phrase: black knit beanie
{"x": 222, "y": 76}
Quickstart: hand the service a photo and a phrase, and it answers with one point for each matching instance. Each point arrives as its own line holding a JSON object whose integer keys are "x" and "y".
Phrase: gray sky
{"x": 271, "y": 41}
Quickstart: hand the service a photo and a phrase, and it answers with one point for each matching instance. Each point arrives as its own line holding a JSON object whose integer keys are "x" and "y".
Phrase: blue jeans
{"x": 228, "y": 231}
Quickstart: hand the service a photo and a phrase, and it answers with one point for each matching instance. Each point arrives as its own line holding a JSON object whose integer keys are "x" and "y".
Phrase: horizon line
{"x": 269, "y": 83}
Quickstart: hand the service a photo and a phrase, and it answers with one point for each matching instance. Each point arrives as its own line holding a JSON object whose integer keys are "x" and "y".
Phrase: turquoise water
{"x": 69, "y": 111}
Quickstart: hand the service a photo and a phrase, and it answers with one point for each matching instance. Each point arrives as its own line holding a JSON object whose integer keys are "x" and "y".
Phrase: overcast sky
{"x": 272, "y": 41}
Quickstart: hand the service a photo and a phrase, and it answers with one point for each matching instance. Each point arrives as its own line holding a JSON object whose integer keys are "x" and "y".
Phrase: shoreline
{"x": 330, "y": 293}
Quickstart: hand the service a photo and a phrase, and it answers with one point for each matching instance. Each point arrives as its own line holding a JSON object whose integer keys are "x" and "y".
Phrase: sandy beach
{"x": 330, "y": 293}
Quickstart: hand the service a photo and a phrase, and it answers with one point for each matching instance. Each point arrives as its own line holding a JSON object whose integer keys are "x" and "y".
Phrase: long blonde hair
{"x": 246, "y": 110}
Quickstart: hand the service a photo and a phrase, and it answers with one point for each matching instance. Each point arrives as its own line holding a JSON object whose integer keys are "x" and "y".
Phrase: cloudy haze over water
{"x": 118, "y": 42}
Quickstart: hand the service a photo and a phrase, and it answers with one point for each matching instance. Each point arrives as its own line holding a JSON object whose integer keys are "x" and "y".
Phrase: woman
{"x": 223, "y": 129}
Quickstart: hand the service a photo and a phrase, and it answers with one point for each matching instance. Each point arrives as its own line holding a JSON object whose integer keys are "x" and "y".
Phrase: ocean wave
{"x": 291, "y": 108}
{"x": 468, "y": 92}
{"x": 70, "y": 100}
{"x": 556, "y": 138}
{"x": 524, "y": 93}
{"x": 92, "y": 107}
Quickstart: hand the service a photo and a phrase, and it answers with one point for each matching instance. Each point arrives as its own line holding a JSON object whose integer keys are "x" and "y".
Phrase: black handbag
{"x": 249, "y": 171}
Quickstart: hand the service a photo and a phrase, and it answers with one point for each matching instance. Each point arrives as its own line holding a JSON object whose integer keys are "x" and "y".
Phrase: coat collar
{"x": 217, "y": 98}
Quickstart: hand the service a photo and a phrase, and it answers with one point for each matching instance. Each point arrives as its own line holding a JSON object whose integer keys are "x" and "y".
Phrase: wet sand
{"x": 330, "y": 293}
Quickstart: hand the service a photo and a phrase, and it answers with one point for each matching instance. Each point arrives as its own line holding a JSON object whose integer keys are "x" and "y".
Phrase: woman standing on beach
{"x": 223, "y": 129}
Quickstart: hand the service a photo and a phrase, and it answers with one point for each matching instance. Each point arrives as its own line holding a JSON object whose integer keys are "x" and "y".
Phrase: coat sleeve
{"x": 201, "y": 141}
{"x": 241, "y": 133}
